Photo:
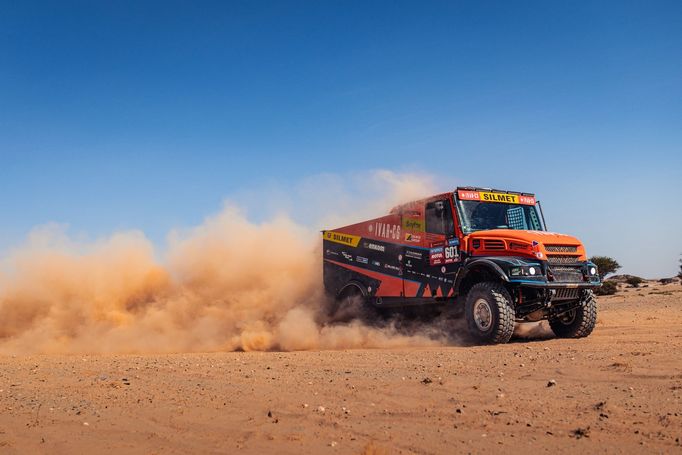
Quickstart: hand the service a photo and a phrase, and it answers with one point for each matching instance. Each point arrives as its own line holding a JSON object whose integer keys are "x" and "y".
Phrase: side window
{"x": 438, "y": 216}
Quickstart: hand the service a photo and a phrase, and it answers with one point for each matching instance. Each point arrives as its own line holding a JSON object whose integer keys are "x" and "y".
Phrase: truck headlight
{"x": 593, "y": 271}
{"x": 524, "y": 270}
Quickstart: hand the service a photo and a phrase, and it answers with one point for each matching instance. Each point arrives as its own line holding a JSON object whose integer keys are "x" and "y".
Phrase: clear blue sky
{"x": 119, "y": 115}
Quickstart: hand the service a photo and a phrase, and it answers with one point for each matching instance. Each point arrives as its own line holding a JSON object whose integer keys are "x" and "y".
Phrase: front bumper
{"x": 550, "y": 276}
{"x": 555, "y": 284}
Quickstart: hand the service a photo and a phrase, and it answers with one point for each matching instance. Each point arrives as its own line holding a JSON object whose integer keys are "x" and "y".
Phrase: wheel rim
{"x": 568, "y": 317}
{"x": 483, "y": 315}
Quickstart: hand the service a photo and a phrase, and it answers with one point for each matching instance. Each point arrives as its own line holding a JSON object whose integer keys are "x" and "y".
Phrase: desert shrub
{"x": 634, "y": 281}
{"x": 605, "y": 265}
{"x": 607, "y": 288}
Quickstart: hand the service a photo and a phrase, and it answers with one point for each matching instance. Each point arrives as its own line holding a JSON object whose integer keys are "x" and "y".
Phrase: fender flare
{"x": 353, "y": 283}
{"x": 483, "y": 263}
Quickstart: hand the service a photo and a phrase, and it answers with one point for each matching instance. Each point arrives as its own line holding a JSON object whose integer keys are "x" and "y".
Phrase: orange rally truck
{"x": 484, "y": 249}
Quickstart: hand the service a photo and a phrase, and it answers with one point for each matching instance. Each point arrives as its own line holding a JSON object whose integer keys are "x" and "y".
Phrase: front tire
{"x": 489, "y": 313}
{"x": 579, "y": 322}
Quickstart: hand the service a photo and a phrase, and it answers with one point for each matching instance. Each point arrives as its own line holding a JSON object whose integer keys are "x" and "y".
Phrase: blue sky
{"x": 120, "y": 115}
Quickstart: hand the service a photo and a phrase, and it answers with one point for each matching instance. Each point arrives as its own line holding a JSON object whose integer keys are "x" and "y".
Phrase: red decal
{"x": 391, "y": 286}
{"x": 469, "y": 195}
{"x": 411, "y": 288}
{"x": 528, "y": 200}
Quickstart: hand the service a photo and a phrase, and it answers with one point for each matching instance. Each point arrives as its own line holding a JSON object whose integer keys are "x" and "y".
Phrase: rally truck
{"x": 484, "y": 251}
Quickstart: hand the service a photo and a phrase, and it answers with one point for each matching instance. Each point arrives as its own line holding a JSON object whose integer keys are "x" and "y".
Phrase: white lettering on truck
{"x": 387, "y": 231}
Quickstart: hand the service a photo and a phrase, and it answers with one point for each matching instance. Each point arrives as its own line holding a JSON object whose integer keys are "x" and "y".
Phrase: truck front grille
{"x": 562, "y": 258}
{"x": 567, "y": 274}
{"x": 566, "y": 294}
{"x": 561, "y": 248}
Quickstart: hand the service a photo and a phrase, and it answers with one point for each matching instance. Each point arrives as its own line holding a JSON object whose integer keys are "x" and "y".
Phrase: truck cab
{"x": 485, "y": 251}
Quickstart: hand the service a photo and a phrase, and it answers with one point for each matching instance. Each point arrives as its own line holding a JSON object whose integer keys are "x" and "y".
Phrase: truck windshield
{"x": 481, "y": 216}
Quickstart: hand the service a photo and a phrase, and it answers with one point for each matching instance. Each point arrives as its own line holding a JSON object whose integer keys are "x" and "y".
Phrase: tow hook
{"x": 548, "y": 298}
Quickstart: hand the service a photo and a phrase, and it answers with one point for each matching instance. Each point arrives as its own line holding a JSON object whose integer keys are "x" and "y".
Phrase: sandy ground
{"x": 619, "y": 390}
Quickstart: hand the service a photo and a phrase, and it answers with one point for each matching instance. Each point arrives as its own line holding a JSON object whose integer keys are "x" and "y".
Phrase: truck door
{"x": 443, "y": 254}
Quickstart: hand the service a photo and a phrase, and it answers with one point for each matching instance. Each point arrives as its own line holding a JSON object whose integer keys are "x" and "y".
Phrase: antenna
{"x": 542, "y": 214}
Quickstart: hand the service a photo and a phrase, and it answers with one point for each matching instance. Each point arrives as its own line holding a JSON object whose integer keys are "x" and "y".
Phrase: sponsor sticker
{"x": 413, "y": 254}
{"x": 443, "y": 255}
{"x": 361, "y": 259}
{"x": 489, "y": 196}
{"x": 375, "y": 247}
{"x": 469, "y": 195}
{"x": 436, "y": 256}
{"x": 387, "y": 230}
{"x": 410, "y": 237}
{"x": 499, "y": 197}
{"x": 348, "y": 257}
{"x": 343, "y": 239}
{"x": 413, "y": 224}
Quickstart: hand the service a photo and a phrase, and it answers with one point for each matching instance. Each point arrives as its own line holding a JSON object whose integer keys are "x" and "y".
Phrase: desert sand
{"x": 618, "y": 391}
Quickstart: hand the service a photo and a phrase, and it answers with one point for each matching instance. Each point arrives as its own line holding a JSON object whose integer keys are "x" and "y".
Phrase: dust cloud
{"x": 533, "y": 330}
{"x": 227, "y": 284}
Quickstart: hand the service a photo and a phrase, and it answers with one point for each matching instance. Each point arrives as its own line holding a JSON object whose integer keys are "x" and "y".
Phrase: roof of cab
{"x": 411, "y": 205}
{"x": 492, "y": 190}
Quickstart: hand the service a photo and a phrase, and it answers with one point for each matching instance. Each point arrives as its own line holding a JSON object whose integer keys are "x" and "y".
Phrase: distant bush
{"x": 607, "y": 288}
{"x": 605, "y": 265}
{"x": 634, "y": 281}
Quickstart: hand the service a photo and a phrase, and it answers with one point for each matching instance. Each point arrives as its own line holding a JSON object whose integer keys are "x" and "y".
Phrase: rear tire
{"x": 577, "y": 323}
{"x": 489, "y": 313}
{"x": 352, "y": 304}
